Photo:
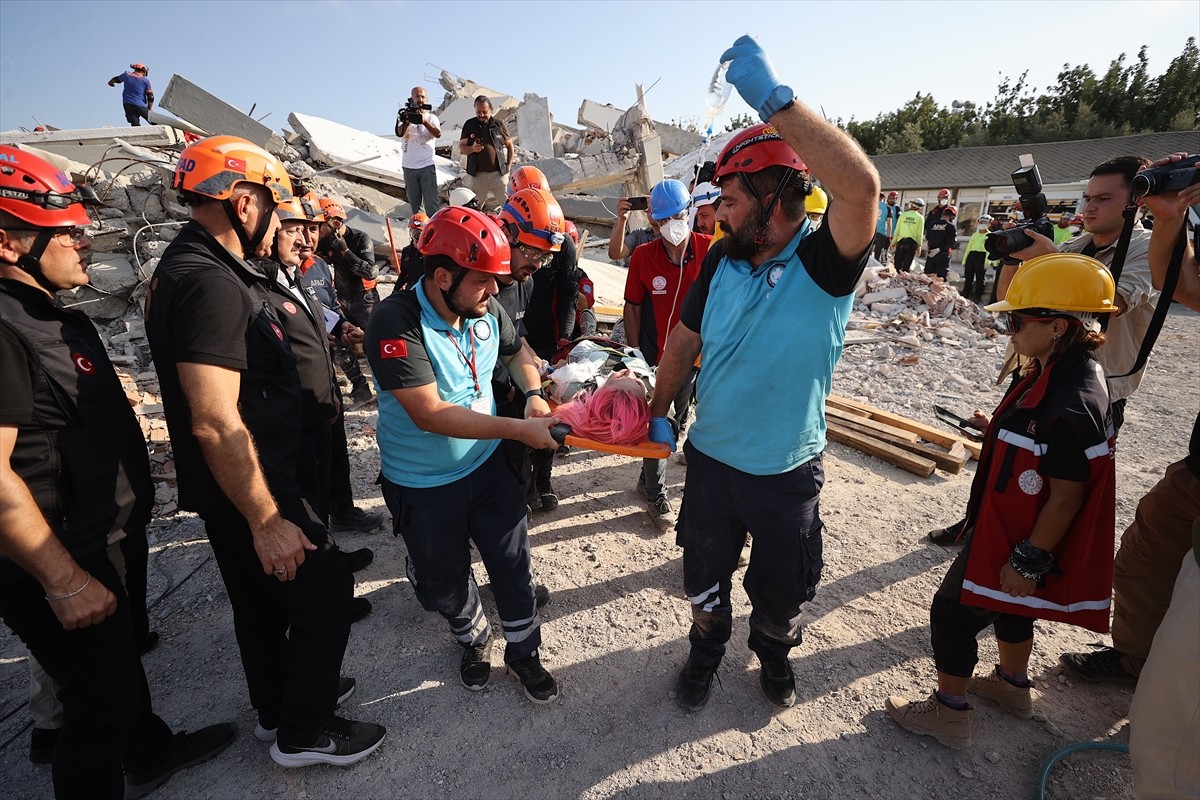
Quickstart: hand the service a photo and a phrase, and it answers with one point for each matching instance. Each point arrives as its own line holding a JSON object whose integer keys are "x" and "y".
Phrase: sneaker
{"x": 549, "y": 501}
{"x": 475, "y": 669}
{"x": 341, "y": 743}
{"x": 929, "y": 717}
{"x": 778, "y": 681}
{"x": 355, "y": 520}
{"x": 1016, "y": 700}
{"x": 361, "y": 393}
{"x": 190, "y": 749}
{"x": 42, "y": 742}
{"x": 539, "y": 684}
{"x": 693, "y": 683}
{"x": 360, "y": 609}
{"x": 358, "y": 559}
{"x": 1104, "y": 665}
{"x": 744, "y": 556}
{"x": 662, "y": 513}
{"x": 951, "y": 534}
{"x": 345, "y": 689}
{"x": 541, "y": 595}
{"x": 147, "y": 643}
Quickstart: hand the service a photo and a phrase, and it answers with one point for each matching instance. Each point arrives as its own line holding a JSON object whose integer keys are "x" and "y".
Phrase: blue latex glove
{"x": 752, "y": 74}
{"x": 662, "y": 430}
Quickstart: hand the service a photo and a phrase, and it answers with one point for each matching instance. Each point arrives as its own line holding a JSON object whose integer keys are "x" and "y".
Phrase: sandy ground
{"x": 615, "y": 636}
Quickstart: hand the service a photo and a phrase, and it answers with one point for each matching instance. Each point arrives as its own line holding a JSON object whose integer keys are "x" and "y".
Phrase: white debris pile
{"x": 912, "y": 338}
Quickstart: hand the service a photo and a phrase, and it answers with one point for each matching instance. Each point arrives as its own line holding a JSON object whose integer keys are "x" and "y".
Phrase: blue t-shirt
{"x": 409, "y": 344}
{"x": 881, "y": 221}
{"x": 135, "y": 89}
{"x": 770, "y": 337}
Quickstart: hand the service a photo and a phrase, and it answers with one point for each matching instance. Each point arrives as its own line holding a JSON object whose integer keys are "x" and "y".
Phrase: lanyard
{"x": 470, "y": 362}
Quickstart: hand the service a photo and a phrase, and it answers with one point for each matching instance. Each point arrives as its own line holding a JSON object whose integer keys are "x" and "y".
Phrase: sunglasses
{"x": 539, "y": 257}
{"x": 1014, "y": 321}
{"x": 74, "y": 233}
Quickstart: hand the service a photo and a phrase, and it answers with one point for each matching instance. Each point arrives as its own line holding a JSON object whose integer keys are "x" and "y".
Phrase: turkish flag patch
{"x": 393, "y": 348}
{"x": 82, "y": 365}
{"x": 235, "y": 164}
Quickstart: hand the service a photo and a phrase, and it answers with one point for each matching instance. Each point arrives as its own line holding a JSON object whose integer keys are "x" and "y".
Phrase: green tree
{"x": 740, "y": 121}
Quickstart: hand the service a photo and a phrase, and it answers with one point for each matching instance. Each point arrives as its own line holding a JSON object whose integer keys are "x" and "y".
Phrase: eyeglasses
{"x": 74, "y": 233}
{"x": 539, "y": 257}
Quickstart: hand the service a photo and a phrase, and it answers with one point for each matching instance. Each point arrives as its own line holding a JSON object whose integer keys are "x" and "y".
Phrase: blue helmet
{"x": 668, "y": 198}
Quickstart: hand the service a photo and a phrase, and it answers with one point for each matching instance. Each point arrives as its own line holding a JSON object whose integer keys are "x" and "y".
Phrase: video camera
{"x": 1028, "y": 183}
{"x": 1172, "y": 177}
{"x": 412, "y": 113}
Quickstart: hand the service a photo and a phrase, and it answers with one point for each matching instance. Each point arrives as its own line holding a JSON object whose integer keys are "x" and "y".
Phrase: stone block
{"x": 188, "y": 101}
{"x": 533, "y": 125}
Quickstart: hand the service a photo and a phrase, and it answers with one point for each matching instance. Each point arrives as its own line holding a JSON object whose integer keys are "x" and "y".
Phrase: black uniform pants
{"x": 134, "y": 114}
{"x": 720, "y": 504}
{"x": 938, "y": 264}
{"x": 439, "y": 523}
{"x": 975, "y": 268}
{"x": 905, "y": 250}
{"x": 107, "y": 716}
{"x": 292, "y": 635}
{"x": 341, "y": 496}
{"x": 881, "y": 247}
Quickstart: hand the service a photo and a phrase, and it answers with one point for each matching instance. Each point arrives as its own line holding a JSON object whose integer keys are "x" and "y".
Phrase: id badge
{"x": 482, "y": 405}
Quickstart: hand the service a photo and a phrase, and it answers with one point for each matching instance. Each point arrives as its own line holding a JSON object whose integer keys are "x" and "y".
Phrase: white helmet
{"x": 919, "y": 202}
{"x": 705, "y": 194}
{"x": 985, "y": 217}
{"x": 461, "y": 196}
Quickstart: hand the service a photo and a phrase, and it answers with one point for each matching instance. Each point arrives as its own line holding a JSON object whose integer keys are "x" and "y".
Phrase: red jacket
{"x": 1008, "y": 494}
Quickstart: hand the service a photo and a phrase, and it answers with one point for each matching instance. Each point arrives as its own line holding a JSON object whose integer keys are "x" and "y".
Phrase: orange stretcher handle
{"x": 647, "y": 449}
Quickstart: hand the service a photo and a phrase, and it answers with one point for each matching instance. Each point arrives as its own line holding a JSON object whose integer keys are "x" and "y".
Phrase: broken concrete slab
{"x": 602, "y": 117}
{"x": 111, "y": 278}
{"x": 188, "y": 101}
{"x": 579, "y": 173}
{"x": 90, "y": 145}
{"x": 336, "y": 145}
{"x": 606, "y": 118}
{"x": 534, "y": 125}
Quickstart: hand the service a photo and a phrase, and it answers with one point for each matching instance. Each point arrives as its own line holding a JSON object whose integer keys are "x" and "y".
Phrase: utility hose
{"x": 1039, "y": 792}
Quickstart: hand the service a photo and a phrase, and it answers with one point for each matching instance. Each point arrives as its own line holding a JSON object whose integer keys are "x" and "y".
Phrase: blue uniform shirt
{"x": 135, "y": 89}
{"x": 409, "y": 344}
{"x": 770, "y": 339}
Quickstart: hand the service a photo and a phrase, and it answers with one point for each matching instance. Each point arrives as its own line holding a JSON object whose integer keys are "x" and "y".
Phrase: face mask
{"x": 674, "y": 230}
{"x": 982, "y": 228}
{"x": 944, "y": 202}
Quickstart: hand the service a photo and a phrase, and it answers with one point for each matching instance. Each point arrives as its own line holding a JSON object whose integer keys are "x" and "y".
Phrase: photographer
{"x": 1105, "y": 197}
{"x": 419, "y": 128}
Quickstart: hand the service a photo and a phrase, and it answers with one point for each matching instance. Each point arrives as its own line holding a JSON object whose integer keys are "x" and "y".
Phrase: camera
{"x": 1172, "y": 177}
{"x": 1028, "y": 183}
{"x": 412, "y": 112}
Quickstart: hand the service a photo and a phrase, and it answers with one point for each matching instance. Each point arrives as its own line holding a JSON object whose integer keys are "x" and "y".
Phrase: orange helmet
{"x": 304, "y": 207}
{"x": 525, "y": 177}
{"x": 213, "y": 166}
{"x": 467, "y": 237}
{"x": 37, "y": 192}
{"x": 332, "y": 209}
{"x": 311, "y": 204}
{"x": 533, "y": 217}
{"x": 417, "y": 222}
{"x": 572, "y": 231}
{"x": 142, "y": 68}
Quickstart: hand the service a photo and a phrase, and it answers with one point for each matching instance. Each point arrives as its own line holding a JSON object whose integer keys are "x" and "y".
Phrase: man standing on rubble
{"x": 137, "y": 95}
{"x": 74, "y": 483}
{"x": 233, "y": 400}
{"x": 420, "y": 175}
{"x": 941, "y": 237}
{"x": 352, "y": 255}
{"x": 908, "y": 234}
{"x": 489, "y": 150}
{"x": 769, "y": 310}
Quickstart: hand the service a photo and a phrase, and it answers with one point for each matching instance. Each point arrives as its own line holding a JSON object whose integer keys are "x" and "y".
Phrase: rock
{"x": 966, "y": 773}
{"x": 992, "y": 756}
{"x": 896, "y": 293}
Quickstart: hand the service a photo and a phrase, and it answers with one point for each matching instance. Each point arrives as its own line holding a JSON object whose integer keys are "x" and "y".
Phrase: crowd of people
{"x": 266, "y": 288}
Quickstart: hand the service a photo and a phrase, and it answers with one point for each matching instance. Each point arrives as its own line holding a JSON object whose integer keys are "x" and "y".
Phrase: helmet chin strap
{"x": 31, "y": 262}
{"x": 250, "y": 243}
{"x": 764, "y": 214}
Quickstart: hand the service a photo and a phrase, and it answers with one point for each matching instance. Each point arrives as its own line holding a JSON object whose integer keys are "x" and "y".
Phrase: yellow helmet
{"x": 817, "y": 202}
{"x": 1060, "y": 282}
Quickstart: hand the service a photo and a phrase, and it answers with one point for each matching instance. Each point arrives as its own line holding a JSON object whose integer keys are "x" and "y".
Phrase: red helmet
{"x": 573, "y": 232}
{"x": 469, "y": 238}
{"x": 951, "y": 210}
{"x": 536, "y": 217}
{"x": 893, "y": 196}
{"x": 943, "y": 194}
{"x": 417, "y": 221}
{"x": 525, "y": 177}
{"x": 756, "y": 148}
{"x": 332, "y": 209}
{"x": 1077, "y": 219}
{"x": 37, "y": 192}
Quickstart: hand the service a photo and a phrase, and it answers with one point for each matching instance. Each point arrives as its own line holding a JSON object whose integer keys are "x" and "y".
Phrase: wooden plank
{"x": 926, "y": 432}
{"x": 870, "y": 426}
{"x": 880, "y": 449}
{"x": 951, "y": 462}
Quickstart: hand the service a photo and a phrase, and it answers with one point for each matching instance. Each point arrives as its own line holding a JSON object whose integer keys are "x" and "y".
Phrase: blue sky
{"x": 353, "y": 61}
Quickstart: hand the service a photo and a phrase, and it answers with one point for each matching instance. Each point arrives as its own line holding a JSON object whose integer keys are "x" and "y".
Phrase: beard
{"x": 739, "y": 243}
{"x": 464, "y": 309}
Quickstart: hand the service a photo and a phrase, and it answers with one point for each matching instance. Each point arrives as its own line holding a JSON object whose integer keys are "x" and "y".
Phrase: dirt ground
{"x": 615, "y": 637}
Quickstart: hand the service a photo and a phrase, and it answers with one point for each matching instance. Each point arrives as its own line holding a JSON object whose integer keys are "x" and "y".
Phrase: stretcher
{"x": 647, "y": 449}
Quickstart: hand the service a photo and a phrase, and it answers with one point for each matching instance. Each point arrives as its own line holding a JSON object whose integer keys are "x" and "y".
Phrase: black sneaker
{"x": 539, "y": 684}
{"x": 662, "y": 513}
{"x": 345, "y": 690}
{"x": 475, "y": 669}
{"x": 42, "y": 742}
{"x": 951, "y": 534}
{"x": 341, "y": 743}
{"x": 147, "y": 643}
{"x": 360, "y": 609}
{"x": 190, "y": 749}
{"x": 541, "y": 595}
{"x": 691, "y": 688}
{"x": 361, "y": 393}
{"x": 358, "y": 559}
{"x": 549, "y": 501}
{"x": 355, "y": 520}
{"x": 1100, "y": 666}
{"x": 778, "y": 681}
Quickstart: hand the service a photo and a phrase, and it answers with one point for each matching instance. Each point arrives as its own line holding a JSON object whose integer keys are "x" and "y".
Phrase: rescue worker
{"x": 705, "y": 199}
{"x": 908, "y": 235}
{"x": 462, "y": 196}
{"x": 233, "y": 401}
{"x": 749, "y": 466}
{"x": 352, "y": 255}
{"x": 935, "y": 213}
{"x": 526, "y": 177}
{"x": 883, "y": 229}
{"x": 975, "y": 260}
{"x": 74, "y": 480}
{"x": 815, "y": 205}
{"x": 137, "y": 95}
{"x": 444, "y": 476}
{"x": 412, "y": 268}
{"x": 941, "y": 237}
{"x": 1062, "y": 229}
{"x": 1041, "y": 514}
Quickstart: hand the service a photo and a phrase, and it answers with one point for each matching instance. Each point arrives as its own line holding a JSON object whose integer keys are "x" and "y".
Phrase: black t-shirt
{"x": 941, "y": 235}
{"x": 818, "y": 252}
{"x": 514, "y": 299}
{"x": 492, "y": 136}
{"x": 16, "y": 376}
{"x": 550, "y": 314}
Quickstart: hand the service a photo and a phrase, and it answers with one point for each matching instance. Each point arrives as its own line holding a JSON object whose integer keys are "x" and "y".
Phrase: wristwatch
{"x": 535, "y": 393}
